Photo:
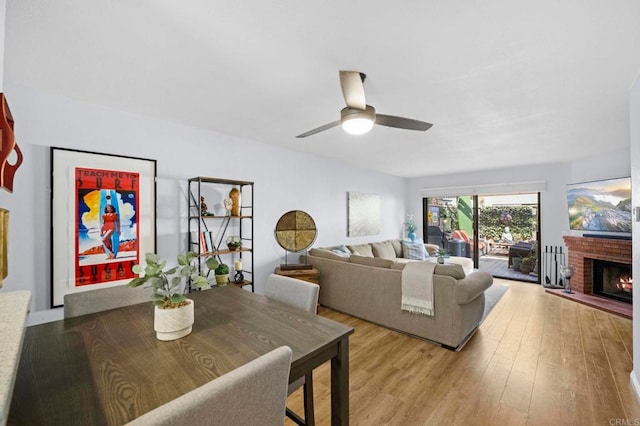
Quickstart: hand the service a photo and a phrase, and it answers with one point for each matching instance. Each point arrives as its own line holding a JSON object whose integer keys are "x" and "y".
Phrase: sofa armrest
{"x": 472, "y": 286}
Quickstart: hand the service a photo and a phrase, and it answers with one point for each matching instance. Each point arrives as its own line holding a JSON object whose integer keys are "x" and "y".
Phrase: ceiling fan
{"x": 357, "y": 117}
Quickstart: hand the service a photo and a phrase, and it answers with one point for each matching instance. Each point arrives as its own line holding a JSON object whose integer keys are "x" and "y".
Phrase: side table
{"x": 310, "y": 275}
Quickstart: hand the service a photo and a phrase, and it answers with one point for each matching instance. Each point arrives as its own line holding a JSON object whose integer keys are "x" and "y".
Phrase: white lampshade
{"x": 357, "y": 121}
{"x": 357, "y": 125}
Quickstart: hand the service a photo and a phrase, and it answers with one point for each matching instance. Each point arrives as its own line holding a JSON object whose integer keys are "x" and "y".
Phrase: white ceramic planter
{"x": 172, "y": 324}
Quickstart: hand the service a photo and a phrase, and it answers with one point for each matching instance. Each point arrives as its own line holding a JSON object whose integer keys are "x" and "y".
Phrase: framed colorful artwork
{"x": 103, "y": 219}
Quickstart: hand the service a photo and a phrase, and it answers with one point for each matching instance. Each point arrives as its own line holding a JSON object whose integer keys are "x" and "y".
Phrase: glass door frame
{"x": 475, "y": 255}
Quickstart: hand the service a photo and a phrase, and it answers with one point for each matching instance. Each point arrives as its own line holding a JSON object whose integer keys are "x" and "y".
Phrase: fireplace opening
{"x": 612, "y": 280}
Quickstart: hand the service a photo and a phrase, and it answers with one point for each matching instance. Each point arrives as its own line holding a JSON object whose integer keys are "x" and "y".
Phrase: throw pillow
{"x": 432, "y": 249}
{"x": 397, "y": 246}
{"x": 342, "y": 250}
{"x": 383, "y": 250}
{"x": 414, "y": 250}
{"x": 362, "y": 250}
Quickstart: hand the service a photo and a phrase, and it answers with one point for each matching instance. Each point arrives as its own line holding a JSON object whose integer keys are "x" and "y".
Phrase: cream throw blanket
{"x": 417, "y": 288}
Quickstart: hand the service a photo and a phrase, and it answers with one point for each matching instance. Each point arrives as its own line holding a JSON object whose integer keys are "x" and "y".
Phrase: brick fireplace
{"x": 582, "y": 252}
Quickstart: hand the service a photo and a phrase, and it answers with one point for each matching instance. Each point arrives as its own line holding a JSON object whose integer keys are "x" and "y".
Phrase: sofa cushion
{"x": 414, "y": 250}
{"x": 450, "y": 270}
{"x": 362, "y": 250}
{"x": 383, "y": 250}
{"x": 371, "y": 261}
{"x": 397, "y": 247}
{"x": 327, "y": 254}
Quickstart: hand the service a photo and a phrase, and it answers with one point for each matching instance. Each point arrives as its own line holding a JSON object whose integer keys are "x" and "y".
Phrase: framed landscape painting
{"x": 103, "y": 217}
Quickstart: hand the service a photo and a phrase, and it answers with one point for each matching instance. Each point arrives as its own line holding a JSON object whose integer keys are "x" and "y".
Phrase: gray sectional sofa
{"x": 367, "y": 284}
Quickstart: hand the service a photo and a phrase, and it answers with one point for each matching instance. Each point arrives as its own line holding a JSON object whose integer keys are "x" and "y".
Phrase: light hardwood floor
{"x": 537, "y": 359}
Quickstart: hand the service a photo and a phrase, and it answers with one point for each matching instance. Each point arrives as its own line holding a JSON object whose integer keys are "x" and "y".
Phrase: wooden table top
{"x": 108, "y": 367}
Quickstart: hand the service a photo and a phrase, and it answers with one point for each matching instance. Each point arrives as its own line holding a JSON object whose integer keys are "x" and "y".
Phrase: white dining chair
{"x": 254, "y": 394}
{"x": 302, "y": 295}
{"x": 103, "y": 299}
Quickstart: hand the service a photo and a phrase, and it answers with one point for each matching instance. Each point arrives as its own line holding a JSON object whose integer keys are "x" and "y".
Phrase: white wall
{"x": 554, "y": 218}
{"x": 605, "y": 166}
{"x": 635, "y": 188}
{"x": 284, "y": 180}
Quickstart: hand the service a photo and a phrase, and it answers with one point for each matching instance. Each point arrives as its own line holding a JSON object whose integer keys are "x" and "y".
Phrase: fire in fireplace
{"x": 612, "y": 280}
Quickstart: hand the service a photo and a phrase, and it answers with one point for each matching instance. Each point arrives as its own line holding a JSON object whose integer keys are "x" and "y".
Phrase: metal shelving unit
{"x": 220, "y": 225}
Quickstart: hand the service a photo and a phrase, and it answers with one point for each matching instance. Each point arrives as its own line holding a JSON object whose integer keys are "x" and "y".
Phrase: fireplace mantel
{"x": 583, "y": 249}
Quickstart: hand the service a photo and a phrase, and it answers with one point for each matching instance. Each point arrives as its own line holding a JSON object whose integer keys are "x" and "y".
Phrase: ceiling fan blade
{"x": 353, "y": 89}
{"x": 402, "y": 123}
{"x": 319, "y": 129}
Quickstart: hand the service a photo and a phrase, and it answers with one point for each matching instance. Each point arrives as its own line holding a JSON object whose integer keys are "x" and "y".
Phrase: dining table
{"x": 109, "y": 368}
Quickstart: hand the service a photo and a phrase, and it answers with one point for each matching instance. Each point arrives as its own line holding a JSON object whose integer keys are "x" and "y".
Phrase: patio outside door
{"x": 499, "y": 232}
{"x": 510, "y": 226}
{"x": 450, "y": 223}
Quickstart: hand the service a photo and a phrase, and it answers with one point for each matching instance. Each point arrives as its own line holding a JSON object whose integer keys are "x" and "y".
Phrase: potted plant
{"x": 442, "y": 253}
{"x": 528, "y": 264}
{"x": 234, "y": 243}
{"x": 411, "y": 229}
{"x": 173, "y": 315}
{"x": 222, "y": 274}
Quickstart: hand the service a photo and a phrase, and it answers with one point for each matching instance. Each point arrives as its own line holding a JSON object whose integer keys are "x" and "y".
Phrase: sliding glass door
{"x": 509, "y": 225}
{"x": 499, "y": 232}
{"x": 450, "y": 223}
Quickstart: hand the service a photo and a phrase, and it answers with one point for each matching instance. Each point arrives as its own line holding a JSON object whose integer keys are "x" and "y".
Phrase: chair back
{"x": 460, "y": 234}
{"x": 103, "y": 299}
{"x": 297, "y": 293}
{"x": 253, "y": 394}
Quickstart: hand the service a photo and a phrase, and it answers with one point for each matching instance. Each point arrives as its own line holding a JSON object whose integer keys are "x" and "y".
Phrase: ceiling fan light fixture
{"x": 357, "y": 126}
{"x": 357, "y": 122}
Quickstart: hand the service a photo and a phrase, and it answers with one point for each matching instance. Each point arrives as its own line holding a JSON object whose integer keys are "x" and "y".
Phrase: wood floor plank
{"x": 537, "y": 359}
{"x": 620, "y": 362}
{"x": 602, "y": 385}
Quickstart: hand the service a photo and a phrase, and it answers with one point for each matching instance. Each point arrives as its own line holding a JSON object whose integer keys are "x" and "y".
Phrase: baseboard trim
{"x": 635, "y": 385}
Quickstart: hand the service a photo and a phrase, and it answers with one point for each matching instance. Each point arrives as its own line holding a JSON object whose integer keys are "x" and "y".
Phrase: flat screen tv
{"x": 600, "y": 206}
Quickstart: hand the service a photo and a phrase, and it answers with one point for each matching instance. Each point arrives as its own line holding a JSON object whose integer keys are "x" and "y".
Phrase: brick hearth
{"x": 581, "y": 252}
{"x": 583, "y": 249}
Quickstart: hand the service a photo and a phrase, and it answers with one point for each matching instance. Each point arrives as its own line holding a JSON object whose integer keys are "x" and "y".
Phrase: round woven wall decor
{"x": 296, "y": 231}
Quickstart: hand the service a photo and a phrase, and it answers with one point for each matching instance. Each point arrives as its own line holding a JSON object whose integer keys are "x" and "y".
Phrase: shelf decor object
{"x": 239, "y": 276}
{"x": 234, "y": 242}
{"x": 8, "y": 163}
{"x": 234, "y": 195}
{"x": 103, "y": 219}
{"x": 295, "y": 232}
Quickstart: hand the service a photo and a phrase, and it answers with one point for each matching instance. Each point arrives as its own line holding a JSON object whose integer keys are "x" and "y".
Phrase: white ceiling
{"x": 505, "y": 82}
